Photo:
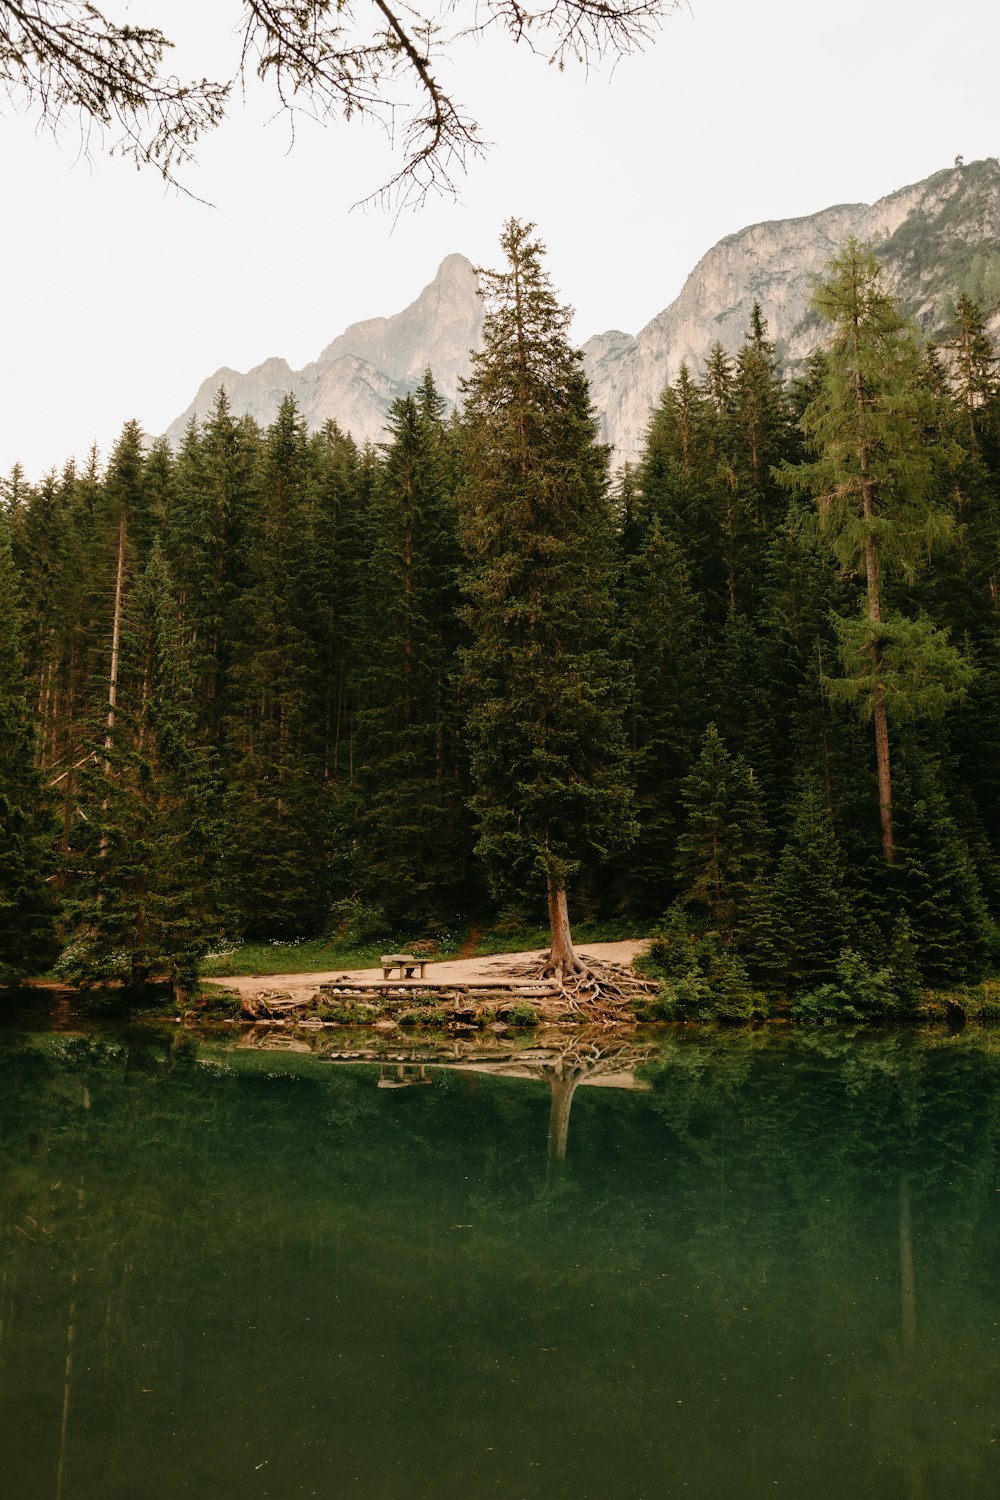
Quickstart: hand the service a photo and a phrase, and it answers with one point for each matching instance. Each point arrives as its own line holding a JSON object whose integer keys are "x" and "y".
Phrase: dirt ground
{"x": 456, "y": 970}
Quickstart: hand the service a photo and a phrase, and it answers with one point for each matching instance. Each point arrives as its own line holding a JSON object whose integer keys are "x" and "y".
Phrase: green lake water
{"x": 701, "y": 1265}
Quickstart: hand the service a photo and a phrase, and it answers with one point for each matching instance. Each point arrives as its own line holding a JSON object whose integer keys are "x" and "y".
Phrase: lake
{"x": 680, "y": 1264}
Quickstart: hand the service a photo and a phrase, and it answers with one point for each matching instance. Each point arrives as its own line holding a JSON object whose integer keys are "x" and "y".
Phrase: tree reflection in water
{"x": 767, "y": 1257}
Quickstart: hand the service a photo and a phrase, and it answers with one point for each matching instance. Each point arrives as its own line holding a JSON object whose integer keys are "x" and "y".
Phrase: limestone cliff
{"x": 358, "y": 376}
{"x": 937, "y": 238}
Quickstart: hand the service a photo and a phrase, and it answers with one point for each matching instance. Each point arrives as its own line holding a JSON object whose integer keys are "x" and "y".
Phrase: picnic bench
{"x": 408, "y": 966}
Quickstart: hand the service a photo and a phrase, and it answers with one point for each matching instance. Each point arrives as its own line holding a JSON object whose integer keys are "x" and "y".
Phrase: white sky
{"x": 120, "y": 297}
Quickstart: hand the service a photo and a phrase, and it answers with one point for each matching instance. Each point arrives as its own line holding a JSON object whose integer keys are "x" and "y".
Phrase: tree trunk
{"x": 872, "y": 586}
{"x": 562, "y": 955}
{"x": 116, "y": 629}
{"x": 116, "y": 634}
{"x": 878, "y": 706}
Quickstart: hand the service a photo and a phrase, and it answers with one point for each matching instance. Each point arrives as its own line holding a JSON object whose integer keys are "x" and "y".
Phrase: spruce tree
{"x": 27, "y": 905}
{"x": 548, "y": 751}
{"x": 722, "y": 850}
{"x": 938, "y": 889}
{"x": 660, "y": 639}
{"x": 413, "y": 825}
{"x": 811, "y": 906}
{"x": 342, "y": 483}
{"x": 277, "y": 807}
{"x": 677, "y": 480}
{"x": 146, "y": 893}
{"x": 203, "y": 541}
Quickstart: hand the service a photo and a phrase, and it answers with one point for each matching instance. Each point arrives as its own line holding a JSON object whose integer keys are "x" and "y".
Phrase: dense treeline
{"x": 271, "y": 671}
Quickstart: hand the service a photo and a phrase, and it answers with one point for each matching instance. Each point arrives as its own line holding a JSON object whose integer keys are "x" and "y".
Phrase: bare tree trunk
{"x": 562, "y": 955}
{"x": 116, "y": 634}
{"x": 116, "y": 630}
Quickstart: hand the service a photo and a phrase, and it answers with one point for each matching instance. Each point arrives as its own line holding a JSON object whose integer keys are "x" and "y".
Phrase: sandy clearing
{"x": 457, "y": 970}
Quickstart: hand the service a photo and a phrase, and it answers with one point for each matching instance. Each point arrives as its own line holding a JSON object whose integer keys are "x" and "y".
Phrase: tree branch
{"x": 331, "y": 58}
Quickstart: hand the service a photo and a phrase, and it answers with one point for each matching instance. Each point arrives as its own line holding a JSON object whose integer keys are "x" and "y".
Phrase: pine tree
{"x": 973, "y": 372}
{"x": 273, "y": 732}
{"x": 660, "y": 640}
{"x": 203, "y": 541}
{"x": 723, "y": 848}
{"x": 548, "y": 751}
{"x": 342, "y": 483}
{"x": 414, "y": 828}
{"x": 27, "y": 905}
{"x": 874, "y": 481}
{"x": 811, "y": 907}
{"x": 146, "y": 893}
{"x": 677, "y": 480}
{"x": 938, "y": 888}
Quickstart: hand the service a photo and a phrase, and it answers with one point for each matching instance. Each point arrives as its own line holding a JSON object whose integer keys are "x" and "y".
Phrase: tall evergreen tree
{"x": 811, "y": 906}
{"x": 661, "y": 644}
{"x": 547, "y": 745}
{"x": 146, "y": 895}
{"x": 873, "y": 477}
{"x": 273, "y": 732}
{"x": 203, "y": 541}
{"x": 677, "y": 480}
{"x": 414, "y": 829}
{"x": 723, "y": 847}
{"x": 27, "y": 906}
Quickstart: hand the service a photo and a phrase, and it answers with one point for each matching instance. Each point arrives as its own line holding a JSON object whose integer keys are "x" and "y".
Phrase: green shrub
{"x": 859, "y": 994}
{"x": 346, "y": 1012}
{"x": 703, "y": 980}
{"x": 353, "y": 921}
{"x": 523, "y": 1014}
{"x": 221, "y": 1003}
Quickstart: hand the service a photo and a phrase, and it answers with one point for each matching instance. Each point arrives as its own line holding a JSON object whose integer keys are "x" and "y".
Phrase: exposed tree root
{"x": 590, "y": 987}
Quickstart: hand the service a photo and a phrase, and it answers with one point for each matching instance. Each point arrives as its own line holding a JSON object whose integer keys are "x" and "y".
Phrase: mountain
{"x": 358, "y": 376}
{"x": 937, "y": 238}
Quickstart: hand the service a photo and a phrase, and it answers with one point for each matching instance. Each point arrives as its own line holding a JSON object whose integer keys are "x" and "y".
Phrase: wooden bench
{"x": 408, "y": 966}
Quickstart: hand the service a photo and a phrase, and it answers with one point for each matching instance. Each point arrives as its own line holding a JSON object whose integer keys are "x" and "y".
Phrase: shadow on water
{"x": 289, "y": 1265}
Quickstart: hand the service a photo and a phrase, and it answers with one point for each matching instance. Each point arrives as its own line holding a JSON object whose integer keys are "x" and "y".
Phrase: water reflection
{"x": 764, "y": 1265}
{"x": 561, "y": 1059}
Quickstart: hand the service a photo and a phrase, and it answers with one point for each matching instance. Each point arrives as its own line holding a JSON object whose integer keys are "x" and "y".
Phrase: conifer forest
{"x": 745, "y": 691}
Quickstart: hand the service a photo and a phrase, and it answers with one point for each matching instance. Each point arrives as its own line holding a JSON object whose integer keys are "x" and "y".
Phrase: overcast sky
{"x": 121, "y": 296}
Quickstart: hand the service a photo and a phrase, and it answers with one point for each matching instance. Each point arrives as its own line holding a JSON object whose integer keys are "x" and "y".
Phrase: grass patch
{"x": 317, "y": 955}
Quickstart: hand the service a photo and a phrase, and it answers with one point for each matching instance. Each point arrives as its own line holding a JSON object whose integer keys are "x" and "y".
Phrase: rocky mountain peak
{"x": 358, "y": 376}
{"x": 937, "y": 238}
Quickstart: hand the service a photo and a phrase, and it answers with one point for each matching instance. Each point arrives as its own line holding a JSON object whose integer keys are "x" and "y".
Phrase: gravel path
{"x": 457, "y": 970}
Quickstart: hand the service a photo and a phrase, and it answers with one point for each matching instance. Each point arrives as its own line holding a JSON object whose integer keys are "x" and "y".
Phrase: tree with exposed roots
{"x": 331, "y": 59}
{"x": 548, "y": 750}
